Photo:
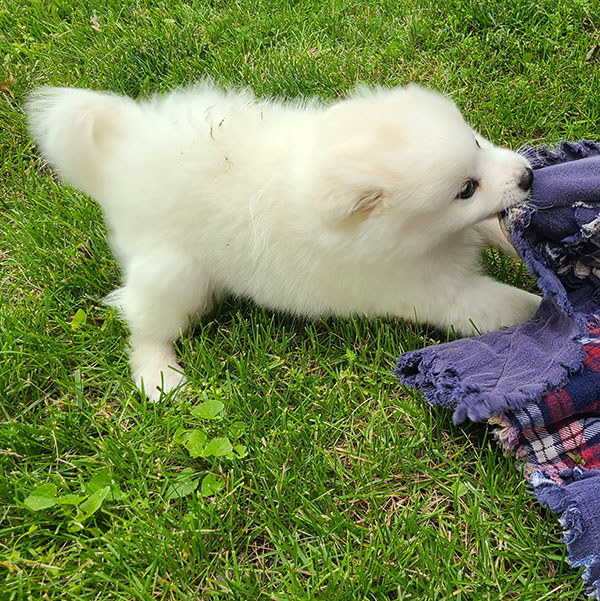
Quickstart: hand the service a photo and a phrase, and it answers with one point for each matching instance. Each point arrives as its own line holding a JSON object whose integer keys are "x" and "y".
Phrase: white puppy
{"x": 371, "y": 205}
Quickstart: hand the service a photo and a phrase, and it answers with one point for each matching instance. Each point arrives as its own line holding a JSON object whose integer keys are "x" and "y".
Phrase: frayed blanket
{"x": 540, "y": 381}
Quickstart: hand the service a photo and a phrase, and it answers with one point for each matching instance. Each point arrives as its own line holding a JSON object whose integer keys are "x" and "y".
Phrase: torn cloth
{"x": 540, "y": 380}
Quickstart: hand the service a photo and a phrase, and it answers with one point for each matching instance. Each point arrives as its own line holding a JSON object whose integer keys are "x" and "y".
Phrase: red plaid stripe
{"x": 562, "y": 431}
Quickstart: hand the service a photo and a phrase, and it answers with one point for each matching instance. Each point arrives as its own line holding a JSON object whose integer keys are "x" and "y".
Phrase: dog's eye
{"x": 468, "y": 189}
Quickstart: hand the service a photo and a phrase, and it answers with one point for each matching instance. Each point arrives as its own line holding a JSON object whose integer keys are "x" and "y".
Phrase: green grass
{"x": 352, "y": 487}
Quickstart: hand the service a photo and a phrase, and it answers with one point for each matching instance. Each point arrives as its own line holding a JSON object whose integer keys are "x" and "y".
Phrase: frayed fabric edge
{"x": 543, "y": 156}
{"x": 444, "y": 387}
{"x": 557, "y": 498}
{"x": 505, "y": 434}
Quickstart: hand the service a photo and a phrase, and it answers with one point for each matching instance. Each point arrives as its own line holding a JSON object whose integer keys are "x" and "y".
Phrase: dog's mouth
{"x": 502, "y": 215}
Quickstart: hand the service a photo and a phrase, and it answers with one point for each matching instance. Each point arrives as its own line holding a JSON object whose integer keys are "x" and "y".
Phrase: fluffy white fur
{"x": 305, "y": 208}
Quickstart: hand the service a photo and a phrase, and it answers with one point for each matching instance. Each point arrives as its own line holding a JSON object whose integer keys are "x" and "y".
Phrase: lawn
{"x": 293, "y": 466}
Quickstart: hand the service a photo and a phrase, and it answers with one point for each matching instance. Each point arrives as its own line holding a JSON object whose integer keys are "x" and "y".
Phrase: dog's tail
{"x": 78, "y": 130}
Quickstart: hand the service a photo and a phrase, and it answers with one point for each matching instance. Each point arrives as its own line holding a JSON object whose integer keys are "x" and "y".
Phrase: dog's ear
{"x": 351, "y": 165}
{"x": 349, "y": 183}
{"x": 356, "y": 204}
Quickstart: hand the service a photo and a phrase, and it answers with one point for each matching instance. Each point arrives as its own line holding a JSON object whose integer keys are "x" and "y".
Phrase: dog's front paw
{"x": 520, "y": 306}
{"x": 489, "y": 305}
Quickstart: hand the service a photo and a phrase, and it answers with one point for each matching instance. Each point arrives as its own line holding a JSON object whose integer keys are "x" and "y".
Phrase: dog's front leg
{"x": 482, "y": 305}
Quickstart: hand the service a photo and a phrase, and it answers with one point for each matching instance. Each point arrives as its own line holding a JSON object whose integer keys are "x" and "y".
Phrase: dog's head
{"x": 404, "y": 164}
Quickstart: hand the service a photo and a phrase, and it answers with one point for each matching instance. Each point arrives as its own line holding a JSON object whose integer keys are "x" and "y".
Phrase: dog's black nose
{"x": 526, "y": 180}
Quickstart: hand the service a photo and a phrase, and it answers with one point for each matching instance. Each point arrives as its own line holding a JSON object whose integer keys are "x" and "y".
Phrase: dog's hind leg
{"x": 161, "y": 292}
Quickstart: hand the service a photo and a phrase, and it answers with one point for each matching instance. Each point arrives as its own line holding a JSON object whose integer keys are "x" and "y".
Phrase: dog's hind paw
{"x": 158, "y": 385}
